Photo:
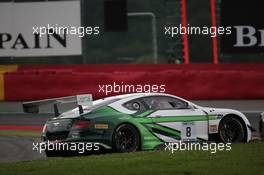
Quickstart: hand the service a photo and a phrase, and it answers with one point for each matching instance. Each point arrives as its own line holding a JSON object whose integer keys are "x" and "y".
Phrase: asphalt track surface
{"x": 18, "y": 149}
{"x": 21, "y": 148}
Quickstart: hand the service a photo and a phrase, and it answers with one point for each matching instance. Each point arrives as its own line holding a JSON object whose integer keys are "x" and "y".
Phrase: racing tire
{"x": 231, "y": 130}
{"x": 126, "y": 138}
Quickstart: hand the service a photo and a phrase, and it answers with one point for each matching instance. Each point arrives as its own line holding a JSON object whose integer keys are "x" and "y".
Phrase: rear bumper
{"x": 100, "y": 137}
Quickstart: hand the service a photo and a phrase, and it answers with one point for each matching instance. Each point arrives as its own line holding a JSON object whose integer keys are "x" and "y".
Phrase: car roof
{"x": 122, "y": 99}
{"x": 139, "y": 95}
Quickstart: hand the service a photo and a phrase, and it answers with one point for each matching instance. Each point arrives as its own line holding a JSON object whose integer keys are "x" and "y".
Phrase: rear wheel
{"x": 231, "y": 130}
{"x": 126, "y": 138}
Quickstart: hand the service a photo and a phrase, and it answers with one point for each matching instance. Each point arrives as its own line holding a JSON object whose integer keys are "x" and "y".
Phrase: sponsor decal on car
{"x": 213, "y": 128}
{"x": 101, "y": 126}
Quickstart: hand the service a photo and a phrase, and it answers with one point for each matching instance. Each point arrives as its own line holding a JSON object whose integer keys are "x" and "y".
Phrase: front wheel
{"x": 126, "y": 138}
{"x": 231, "y": 130}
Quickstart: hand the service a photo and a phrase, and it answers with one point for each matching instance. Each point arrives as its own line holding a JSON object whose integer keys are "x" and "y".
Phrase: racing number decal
{"x": 188, "y": 131}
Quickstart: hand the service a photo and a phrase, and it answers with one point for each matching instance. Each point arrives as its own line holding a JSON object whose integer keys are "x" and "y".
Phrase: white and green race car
{"x": 143, "y": 121}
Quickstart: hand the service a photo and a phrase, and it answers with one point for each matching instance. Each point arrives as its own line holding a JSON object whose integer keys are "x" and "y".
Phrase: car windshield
{"x": 96, "y": 104}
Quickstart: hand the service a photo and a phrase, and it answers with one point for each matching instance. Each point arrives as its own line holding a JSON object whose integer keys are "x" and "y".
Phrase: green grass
{"x": 241, "y": 160}
{"x": 26, "y": 133}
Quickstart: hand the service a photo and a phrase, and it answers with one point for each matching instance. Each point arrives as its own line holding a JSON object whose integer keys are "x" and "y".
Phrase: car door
{"x": 174, "y": 119}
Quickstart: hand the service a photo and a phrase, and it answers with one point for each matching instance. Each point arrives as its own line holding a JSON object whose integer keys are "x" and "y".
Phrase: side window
{"x": 178, "y": 104}
{"x": 161, "y": 102}
{"x": 134, "y": 105}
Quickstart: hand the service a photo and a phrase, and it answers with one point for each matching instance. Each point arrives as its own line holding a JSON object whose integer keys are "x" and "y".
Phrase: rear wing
{"x": 82, "y": 100}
